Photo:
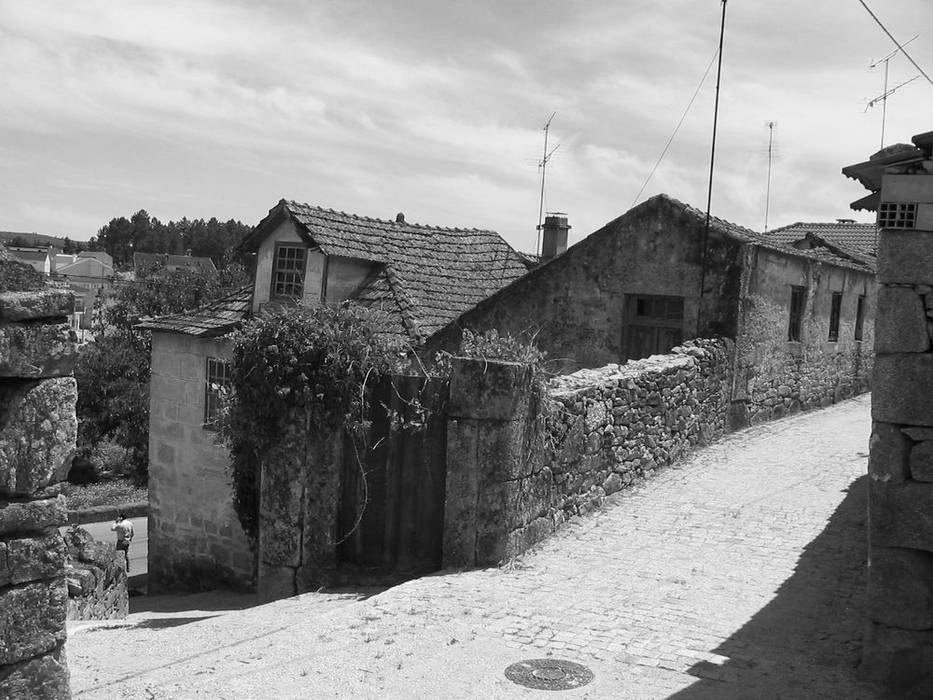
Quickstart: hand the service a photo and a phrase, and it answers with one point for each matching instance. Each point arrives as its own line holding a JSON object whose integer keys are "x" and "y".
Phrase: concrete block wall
{"x": 898, "y": 646}
{"x": 195, "y": 538}
{"x": 518, "y": 467}
{"x": 38, "y": 428}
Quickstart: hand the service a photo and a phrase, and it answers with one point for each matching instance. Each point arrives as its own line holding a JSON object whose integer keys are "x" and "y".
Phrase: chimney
{"x": 554, "y": 236}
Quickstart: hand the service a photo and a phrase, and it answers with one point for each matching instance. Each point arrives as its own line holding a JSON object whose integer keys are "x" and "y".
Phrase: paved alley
{"x": 738, "y": 573}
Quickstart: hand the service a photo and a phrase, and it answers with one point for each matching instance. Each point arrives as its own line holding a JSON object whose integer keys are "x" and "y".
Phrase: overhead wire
{"x": 677, "y": 128}
{"x": 896, "y": 42}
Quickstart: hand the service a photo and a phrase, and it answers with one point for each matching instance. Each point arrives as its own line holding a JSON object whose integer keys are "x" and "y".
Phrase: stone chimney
{"x": 554, "y": 236}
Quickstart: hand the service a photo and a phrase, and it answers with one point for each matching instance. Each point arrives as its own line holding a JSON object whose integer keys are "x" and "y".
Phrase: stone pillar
{"x": 486, "y": 455}
{"x": 38, "y": 428}
{"x": 898, "y": 647}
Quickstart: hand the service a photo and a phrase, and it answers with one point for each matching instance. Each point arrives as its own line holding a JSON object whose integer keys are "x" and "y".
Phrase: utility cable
{"x": 676, "y": 128}
{"x": 896, "y": 42}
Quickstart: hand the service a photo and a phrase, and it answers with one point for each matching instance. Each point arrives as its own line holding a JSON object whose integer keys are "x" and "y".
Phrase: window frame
{"x": 797, "y": 306}
{"x": 835, "y": 312}
{"x": 860, "y": 317}
{"x": 213, "y": 383}
{"x": 276, "y": 271}
{"x": 901, "y": 215}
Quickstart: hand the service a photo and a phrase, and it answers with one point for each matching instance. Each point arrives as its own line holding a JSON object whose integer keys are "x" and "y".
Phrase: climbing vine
{"x": 315, "y": 362}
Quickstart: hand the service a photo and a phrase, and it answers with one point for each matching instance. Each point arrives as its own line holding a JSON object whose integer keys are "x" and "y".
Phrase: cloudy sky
{"x": 435, "y": 108}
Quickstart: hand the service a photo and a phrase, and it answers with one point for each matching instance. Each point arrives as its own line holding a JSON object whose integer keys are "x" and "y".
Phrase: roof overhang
{"x": 278, "y": 215}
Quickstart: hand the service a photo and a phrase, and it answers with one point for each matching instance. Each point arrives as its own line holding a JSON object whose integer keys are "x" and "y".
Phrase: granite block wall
{"x": 38, "y": 428}
{"x": 898, "y": 646}
{"x": 522, "y": 461}
{"x": 195, "y": 538}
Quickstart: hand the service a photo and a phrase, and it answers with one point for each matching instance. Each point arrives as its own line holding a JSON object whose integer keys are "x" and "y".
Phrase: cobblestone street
{"x": 737, "y": 573}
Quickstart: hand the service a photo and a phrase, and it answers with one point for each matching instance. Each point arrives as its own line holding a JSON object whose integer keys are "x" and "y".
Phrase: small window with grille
{"x": 897, "y": 215}
{"x": 288, "y": 271}
{"x": 217, "y": 379}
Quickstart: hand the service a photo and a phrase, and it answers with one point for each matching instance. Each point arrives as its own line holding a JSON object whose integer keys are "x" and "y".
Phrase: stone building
{"x": 421, "y": 276}
{"x": 799, "y": 305}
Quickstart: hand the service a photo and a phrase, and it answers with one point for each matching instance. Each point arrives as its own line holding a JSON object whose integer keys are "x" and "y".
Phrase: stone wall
{"x": 195, "y": 537}
{"x": 898, "y": 647}
{"x": 775, "y": 376}
{"x": 519, "y": 464}
{"x": 38, "y": 428}
{"x": 96, "y": 576}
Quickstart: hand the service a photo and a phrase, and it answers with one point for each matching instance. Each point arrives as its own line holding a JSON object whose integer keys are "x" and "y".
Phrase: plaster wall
{"x": 775, "y": 376}
{"x": 195, "y": 538}
{"x": 287, "y": 232}
{"x": 344, "y": 276}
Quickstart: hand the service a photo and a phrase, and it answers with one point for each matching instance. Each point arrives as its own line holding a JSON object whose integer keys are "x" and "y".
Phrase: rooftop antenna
{"x": 542, "y": 166}
{"x": 883, "y": 97}
{"x": 770, "y": 125}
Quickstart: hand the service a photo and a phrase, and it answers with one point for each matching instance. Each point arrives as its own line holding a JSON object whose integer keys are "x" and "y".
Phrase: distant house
{"x": 171, "y": 263}
{"x": 423, "y": 277}
{"x": 90, "y": 277}
{"x": 801, "y": 310}
{"x": 40, "y": 259}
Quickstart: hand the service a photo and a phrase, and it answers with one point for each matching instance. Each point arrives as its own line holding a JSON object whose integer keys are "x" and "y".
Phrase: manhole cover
{"x": 549, "y": 674}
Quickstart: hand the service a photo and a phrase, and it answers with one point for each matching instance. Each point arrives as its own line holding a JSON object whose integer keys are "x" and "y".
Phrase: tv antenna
{"x": 771, "y": 154}
{"x": 883, "y": 97}
{"x": 542, "y": 166}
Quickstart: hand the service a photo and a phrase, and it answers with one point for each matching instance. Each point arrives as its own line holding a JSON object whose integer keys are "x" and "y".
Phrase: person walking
{"x": 124, "y": 529}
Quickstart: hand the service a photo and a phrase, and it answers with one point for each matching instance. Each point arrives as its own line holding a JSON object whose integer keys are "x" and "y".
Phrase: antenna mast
{"x": 884, "y": 95}
{"x": 542, "y": 165}
{"x": 771, "y": 126}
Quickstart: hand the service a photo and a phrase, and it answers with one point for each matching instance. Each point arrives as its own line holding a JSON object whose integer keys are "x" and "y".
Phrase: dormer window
{"x": 288, "y": 271}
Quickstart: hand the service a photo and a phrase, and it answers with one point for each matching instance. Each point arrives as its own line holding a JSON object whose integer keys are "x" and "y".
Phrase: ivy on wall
{"x": 317, "y": 362}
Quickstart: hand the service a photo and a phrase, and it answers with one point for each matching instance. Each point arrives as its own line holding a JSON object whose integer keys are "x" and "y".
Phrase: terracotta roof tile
{"x": 219, "y": 317}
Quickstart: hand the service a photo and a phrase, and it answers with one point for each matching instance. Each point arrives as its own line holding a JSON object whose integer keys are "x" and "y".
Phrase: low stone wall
{"x": 521, "y": 464}
{"x": 38, "y": 428}
{"x": 96, "y": 576}
{"x": 898, "y": 646}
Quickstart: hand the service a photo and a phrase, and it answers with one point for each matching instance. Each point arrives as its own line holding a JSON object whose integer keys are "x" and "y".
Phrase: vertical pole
{"x": 768, "y": 190}
{"x": 884, "y": 100}
{"x": 712, "y": 160}
{"x": 541, "y": 200}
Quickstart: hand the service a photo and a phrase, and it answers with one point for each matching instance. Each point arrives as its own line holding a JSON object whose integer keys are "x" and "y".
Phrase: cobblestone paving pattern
{"x": 739, "y": 573}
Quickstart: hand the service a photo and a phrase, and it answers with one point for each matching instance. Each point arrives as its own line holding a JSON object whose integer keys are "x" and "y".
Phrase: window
{"x": 288, "y": 271}
{"x": 217, "y": 378}
{"x": 834, "y": 317}
{"x": 798, "y": 296}
{"x": 897, "y": 215}
{"x": 859, "y": 317}
{"x": 655, "y": 325}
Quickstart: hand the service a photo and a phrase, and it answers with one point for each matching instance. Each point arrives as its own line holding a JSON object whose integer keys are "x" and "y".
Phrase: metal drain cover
{"x": 549, "y": 674}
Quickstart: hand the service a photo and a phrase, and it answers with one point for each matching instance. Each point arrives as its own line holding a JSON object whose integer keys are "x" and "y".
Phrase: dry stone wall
{"x": 37, "y": 438}
{"x": 521, "y": 464}
{"x": 96, "y": 576}
{"x": 898, "y": 647}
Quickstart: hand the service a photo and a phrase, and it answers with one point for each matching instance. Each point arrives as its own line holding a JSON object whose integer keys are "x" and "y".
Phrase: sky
{"x": 435, "y": 108}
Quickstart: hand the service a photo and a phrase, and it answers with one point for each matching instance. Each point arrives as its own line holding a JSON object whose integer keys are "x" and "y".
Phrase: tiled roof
{"x": 28, "y": 255}
{"x": 846, "y": 234}
{"x": 216, "y": 318}
{"x": 836, "y": 255}
{"x": 427, "y": 275}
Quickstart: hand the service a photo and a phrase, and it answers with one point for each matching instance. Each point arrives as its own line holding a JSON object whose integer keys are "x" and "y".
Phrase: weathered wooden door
{"x": 392, "y": 503}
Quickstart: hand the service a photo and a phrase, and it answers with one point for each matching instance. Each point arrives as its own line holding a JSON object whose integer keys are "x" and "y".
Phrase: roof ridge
{"x": 388, "y": 222}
